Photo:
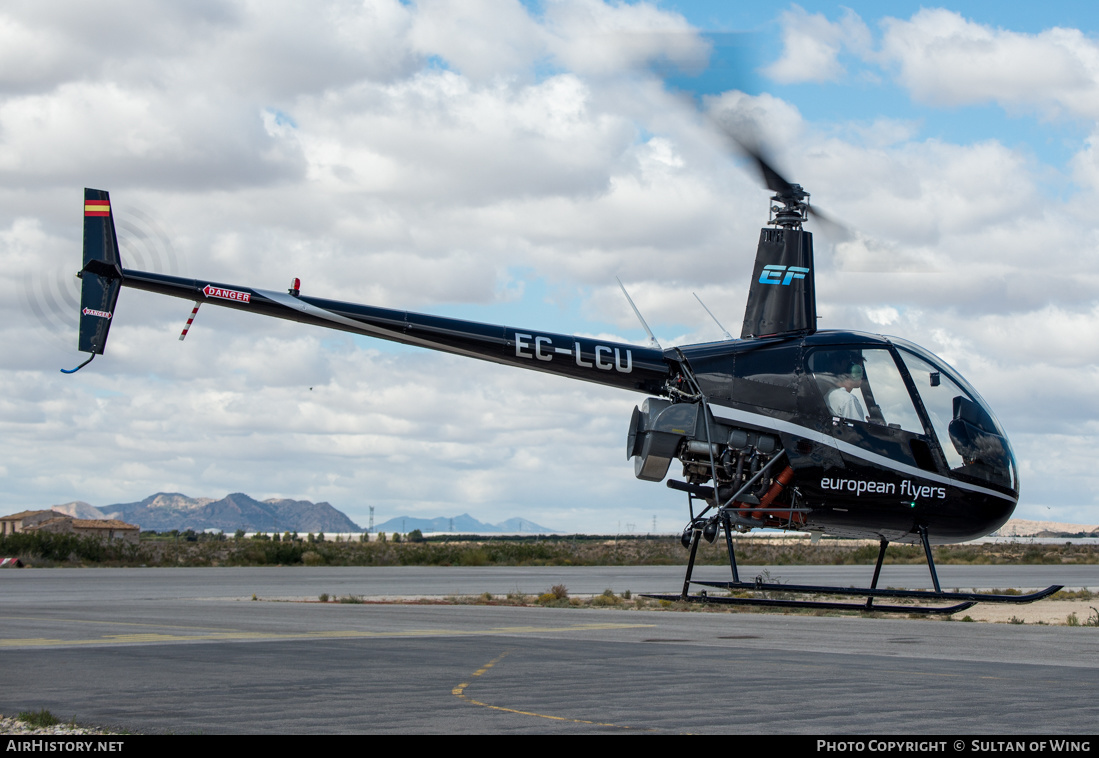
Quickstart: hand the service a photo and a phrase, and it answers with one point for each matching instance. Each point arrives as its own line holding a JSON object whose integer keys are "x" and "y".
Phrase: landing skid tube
{"x": 968, "y": 599}
{"x": 816, "y": 604}
{"x": 972, "y": 597}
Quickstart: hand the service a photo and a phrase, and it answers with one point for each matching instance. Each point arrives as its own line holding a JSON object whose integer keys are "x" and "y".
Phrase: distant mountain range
{"x": 464, "y": 524}
{"x": 166, "y": 511}
{"x": 1018, "y": 527}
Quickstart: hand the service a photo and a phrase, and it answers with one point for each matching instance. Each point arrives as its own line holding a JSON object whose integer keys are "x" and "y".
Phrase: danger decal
{"x": 241, "y": 297}
{"x": 101, "y": 314}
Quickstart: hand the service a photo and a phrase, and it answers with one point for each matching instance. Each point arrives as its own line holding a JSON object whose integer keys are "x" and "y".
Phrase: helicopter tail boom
{"x": 615, "y": 364}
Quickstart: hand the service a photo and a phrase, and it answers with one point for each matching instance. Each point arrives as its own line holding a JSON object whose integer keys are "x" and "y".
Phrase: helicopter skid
{"x": 974, "y": 597}
{"x": 968, "y": 599}
{"x": 816, "y": 604}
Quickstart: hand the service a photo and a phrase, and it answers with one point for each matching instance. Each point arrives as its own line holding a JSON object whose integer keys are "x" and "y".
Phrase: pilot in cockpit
{"x": 842, "y": 401}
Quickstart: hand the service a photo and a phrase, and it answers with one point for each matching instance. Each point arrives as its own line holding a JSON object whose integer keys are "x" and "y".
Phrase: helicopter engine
{"x": 732, "y": 457}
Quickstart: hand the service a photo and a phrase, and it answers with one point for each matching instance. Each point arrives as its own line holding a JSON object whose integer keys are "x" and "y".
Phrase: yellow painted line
{"x": 460, "y": 693}
{"x": 52, "y": 620}
{"x": 146, "y": 637}
{"x": 157, "y": 638}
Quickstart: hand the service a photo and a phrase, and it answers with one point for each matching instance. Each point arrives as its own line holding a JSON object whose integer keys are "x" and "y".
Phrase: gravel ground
{"x": 15, "y": 726}
{"x": 1052, "y": 612}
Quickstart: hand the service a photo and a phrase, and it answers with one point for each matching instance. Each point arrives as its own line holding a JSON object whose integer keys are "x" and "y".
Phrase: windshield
{"x": 972, "y": 441}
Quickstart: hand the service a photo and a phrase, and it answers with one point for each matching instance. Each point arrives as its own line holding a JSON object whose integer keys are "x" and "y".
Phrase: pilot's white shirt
{"x": 844, "y": 404}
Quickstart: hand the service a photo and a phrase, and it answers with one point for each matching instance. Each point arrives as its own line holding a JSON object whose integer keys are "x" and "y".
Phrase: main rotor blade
{"x": 834, "y": 229}
{"x": 772, "y": 178}
{"x": 744, "y": 138}
{"x": 744, "y": 141}
{"x": 781, "y": 186}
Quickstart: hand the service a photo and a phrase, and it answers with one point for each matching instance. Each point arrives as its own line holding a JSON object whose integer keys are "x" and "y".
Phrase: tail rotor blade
{"x": 52, "y": 297}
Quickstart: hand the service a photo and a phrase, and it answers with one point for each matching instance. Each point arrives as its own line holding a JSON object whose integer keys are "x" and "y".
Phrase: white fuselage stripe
{"x": 757, "y": 419}
{"x": 396, "y": 335}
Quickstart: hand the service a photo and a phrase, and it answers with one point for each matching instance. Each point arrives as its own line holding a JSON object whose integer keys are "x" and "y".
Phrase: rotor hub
{"x": 790, "y": 208}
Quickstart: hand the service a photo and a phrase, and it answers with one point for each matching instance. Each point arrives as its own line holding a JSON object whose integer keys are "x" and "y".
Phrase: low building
{"x": 55, "y": 522}
{"x": 20, "y": 522}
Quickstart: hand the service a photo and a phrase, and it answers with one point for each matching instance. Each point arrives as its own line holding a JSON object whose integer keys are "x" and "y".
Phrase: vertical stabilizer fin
{"x": 101, "y": 276}
{"x": 782, "y": 297}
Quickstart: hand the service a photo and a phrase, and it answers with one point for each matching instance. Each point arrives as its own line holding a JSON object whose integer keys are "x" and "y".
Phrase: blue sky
{"x": 754, "y": 32}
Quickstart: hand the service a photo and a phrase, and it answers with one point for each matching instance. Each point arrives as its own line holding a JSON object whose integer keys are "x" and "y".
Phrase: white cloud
{"x": 811, "y": 45}
{"x": 480, "y": 39}
{"x": 108, "y": 134}
{"x": 599, "y": 39}
{"x": 757, "y": 118}
{"x": 945, "y": 59}
{"x": 1085, "y": 164}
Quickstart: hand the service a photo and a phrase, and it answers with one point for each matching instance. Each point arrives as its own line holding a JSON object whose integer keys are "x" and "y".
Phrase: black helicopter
{"x": 831, "y": 432}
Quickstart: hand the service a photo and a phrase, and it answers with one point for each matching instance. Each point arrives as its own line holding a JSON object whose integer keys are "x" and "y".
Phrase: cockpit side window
{"x": 864, "y": 385}
{"x": 767, "y": 377}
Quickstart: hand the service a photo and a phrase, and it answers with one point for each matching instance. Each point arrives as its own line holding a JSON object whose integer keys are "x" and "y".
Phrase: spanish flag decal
{"x": 97, "y": 208}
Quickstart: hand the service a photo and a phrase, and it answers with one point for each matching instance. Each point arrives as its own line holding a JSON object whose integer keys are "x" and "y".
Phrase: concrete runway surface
{"x": 187, "y": 651}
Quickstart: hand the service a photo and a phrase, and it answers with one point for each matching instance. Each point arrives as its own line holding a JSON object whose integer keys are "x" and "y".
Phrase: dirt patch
{"x": 1052, "y": 612}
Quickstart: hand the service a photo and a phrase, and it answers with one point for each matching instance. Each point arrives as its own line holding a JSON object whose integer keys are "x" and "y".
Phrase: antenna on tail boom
{"x": 719, "y": 324}
{"x": 652, "y": 339}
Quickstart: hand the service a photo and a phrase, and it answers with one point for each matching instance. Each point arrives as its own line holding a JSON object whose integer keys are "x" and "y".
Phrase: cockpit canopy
{"x": 895, "y": 398}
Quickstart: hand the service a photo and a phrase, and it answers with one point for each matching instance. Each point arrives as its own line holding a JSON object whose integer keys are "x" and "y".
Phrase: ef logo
{"x": 773, "y": 274}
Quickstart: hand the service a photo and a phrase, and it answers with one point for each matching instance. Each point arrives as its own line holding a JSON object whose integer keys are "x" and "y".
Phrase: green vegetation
{"x": 43, "y": 548}
{"x": 607, "y": 598}
{"x": 178, "y": 549}
{"x": 558, "y": 596}
{"x": 39, "y": 719}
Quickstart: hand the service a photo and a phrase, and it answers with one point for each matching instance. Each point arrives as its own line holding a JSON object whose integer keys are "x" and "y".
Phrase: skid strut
{"x": 961, "y": 600}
